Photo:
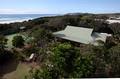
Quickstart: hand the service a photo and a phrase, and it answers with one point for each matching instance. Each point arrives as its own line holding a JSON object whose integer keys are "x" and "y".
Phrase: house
{"x": 22, "y": 28}
{"x": 113, "y": 20}
{"x": 81, "y": 35}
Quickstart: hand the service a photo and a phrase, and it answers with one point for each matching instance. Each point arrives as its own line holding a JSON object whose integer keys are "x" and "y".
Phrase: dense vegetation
{"x": 59, "y": 22}
{"x": 5, "y": 55}
{"x": 18, "y": 41}
{"x": 65, "y": 61}
{"x": 61, "y": 59}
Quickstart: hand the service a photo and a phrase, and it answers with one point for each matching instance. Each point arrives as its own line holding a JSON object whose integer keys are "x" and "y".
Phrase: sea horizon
{"x": 11, "y": 18}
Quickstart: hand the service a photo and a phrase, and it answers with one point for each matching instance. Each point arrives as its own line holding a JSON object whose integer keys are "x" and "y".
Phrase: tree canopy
{"x": 18, "y": 41}
{"x": 65, "y": 61}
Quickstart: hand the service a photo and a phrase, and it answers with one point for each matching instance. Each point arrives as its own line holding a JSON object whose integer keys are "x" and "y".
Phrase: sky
{"x": 58, "y": 6}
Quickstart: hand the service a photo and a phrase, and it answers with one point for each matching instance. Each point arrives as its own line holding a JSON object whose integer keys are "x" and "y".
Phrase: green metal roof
{"x": 77, "y": 34}
{"x": 81, "y": 35}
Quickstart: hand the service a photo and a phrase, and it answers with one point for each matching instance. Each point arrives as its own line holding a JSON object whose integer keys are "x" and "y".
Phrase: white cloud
{"x": 22, "y": 11}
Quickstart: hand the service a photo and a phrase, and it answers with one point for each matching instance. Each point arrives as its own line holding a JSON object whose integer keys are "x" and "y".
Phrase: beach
{"x": 12, "y": 21}
{"x": 11, "y": 18}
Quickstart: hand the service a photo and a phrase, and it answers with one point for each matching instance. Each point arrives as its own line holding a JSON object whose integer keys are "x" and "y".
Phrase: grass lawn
{"x": 10, "y": 38}
{"x": 21, "y": 71}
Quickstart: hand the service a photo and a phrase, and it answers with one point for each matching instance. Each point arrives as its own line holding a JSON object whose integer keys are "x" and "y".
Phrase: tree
{"x": 18, "y": 41}
{"x": 65, "y": 62}
{"x": 2, "y": 46}
{"x": 3, "y": 42}
{"x": 4, "y": 55}
{"x": 111, "y": 41}
{"x": 115, "y": 27}
{"x": 114, "y": 61}
{"x": 41, "y": 36}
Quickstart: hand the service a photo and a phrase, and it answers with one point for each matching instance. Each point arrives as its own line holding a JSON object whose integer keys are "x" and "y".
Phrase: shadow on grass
{"x": 8, "y": 67}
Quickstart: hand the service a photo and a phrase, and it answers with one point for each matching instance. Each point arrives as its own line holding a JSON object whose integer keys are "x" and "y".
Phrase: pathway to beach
{"x": 17, "y": 70}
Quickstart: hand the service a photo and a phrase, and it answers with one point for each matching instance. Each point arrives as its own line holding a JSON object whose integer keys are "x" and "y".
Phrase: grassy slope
{"x": 21, "y": 71}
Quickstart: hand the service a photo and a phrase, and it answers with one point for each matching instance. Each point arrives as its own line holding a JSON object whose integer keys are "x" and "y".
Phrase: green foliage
{"x": 28, "y": 51}
{"x": 115, "y": 28}
{"x": 39, "y": 33}
{"x": 72, "y": 20}
{"x": 106, "y": 61}
{"x": 87, "y": 21}
{"x": 4, "y": 55}
{"x": 63, "y": 58}
{"x": 59, "y": 22}
{"x": 110, "y": 42}
{"x": 65, "y": 62}
{"x": 114, "y": 58}
{"x": 39, "y": 21}
{"x": 3, "y": 42}
{"x": 41, "y": 36}
{"x": 45, "y": 73}
{"x": 18, "y": 41}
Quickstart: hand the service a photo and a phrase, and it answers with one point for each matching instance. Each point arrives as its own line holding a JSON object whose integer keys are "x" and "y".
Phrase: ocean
{"x": 11, "y": 18}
